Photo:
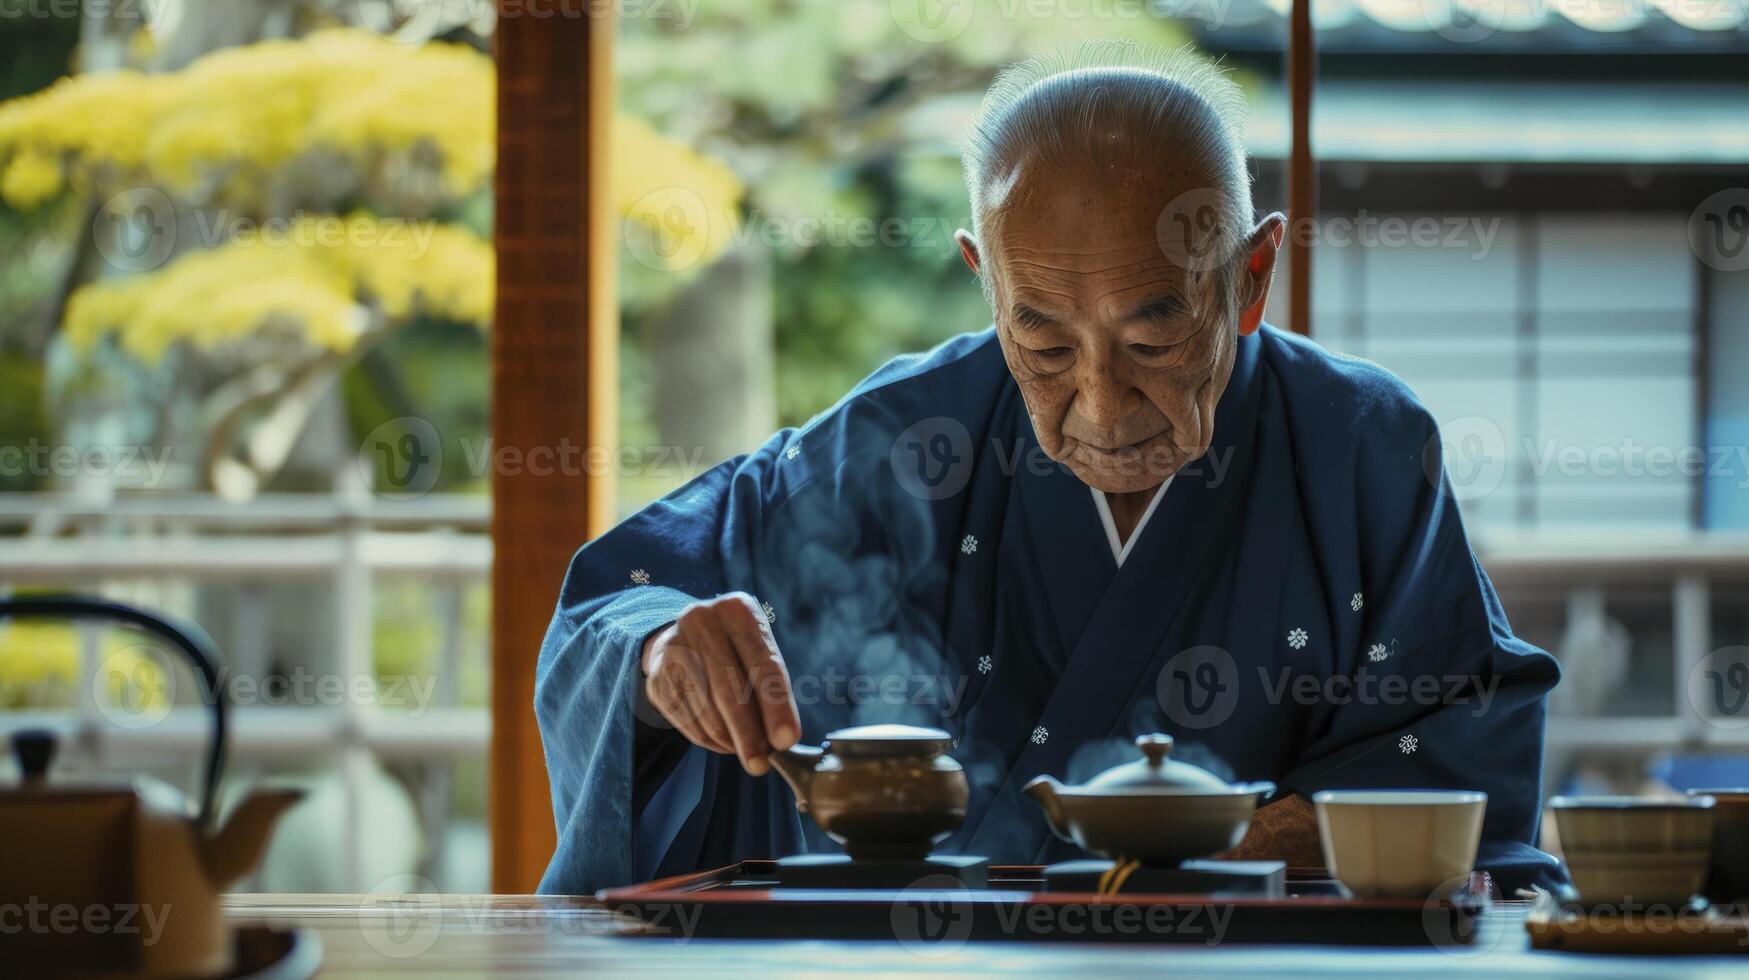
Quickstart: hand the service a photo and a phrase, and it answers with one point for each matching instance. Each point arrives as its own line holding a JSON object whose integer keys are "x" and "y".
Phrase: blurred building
{"x": 1559, "y": 177}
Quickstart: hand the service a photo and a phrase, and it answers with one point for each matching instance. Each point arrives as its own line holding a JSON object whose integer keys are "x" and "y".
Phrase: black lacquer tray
{"x": 744, "y": 901}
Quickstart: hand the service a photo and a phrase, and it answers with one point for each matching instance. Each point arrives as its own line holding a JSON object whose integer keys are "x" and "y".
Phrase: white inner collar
{"x": 1121, "y": 549}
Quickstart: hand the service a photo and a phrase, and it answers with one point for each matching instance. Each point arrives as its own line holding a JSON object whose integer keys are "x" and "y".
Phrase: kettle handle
{"x": 190, "y": 639}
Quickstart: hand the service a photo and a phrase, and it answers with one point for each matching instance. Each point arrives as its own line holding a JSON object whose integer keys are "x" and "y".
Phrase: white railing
{"x": 1581, "y": 567}
{"x": 350, "y": 539}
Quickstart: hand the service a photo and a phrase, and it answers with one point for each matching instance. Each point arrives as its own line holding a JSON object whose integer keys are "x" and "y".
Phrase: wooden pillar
{"x": 1302, "y": 204}
{"x": 554, "y": 380}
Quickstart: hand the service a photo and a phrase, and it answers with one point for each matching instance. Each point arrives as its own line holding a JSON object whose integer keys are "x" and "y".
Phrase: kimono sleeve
{"x": 593, "y": 719}
{"x": 1438, "y": 691}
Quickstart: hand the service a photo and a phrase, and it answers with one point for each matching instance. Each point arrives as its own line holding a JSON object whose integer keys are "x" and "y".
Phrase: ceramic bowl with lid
{"x": 1153, "y": 809}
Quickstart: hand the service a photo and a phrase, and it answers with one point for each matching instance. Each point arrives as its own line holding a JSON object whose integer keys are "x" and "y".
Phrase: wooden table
{"x": 523, "y": 935}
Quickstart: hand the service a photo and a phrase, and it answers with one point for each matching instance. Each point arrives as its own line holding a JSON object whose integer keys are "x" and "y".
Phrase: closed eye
{"x": 1050, "y": 360}
{"x": 1151, "y": 350}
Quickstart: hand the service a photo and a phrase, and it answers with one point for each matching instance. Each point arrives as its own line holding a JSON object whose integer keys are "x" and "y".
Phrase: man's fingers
{"x": 728, "y": 688}
{"x": 685, "y": 701}
{"x": 766, "y": 675}
{"x": 698, "y": 732}
{"x": 688, "y": 726}
{"x": 704, "y": 628}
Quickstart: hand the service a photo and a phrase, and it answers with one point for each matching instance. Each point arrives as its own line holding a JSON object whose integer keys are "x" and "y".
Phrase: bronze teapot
{"x": 133, "y": 867}
{"x": 1152, "y": 810}
{"x": 886, "y": 792}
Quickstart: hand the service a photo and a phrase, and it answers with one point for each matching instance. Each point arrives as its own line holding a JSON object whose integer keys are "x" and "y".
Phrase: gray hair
{"x": 1063, "y": 107}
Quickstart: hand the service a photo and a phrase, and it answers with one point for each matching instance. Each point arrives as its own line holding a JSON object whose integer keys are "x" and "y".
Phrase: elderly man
{"x": 1130, "y": 506}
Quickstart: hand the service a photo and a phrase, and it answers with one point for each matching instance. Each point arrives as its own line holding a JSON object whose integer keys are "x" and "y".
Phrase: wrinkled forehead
{"x": 1060, "y": 222}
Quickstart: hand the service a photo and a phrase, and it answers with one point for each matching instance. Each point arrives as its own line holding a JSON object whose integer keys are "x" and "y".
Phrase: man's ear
{"x": 1258, "y": 273}
{"x": 968, "y": 248}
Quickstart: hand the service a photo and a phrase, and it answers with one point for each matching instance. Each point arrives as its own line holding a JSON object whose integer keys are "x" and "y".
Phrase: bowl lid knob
{"x": 1155, "y": 746}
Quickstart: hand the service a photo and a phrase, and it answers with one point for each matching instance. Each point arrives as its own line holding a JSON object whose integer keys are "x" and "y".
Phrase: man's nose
{"x": 1106, "y": 394}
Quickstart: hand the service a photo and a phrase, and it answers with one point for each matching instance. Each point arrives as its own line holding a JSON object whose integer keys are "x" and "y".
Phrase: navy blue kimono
{"x": 1303, "y": 607}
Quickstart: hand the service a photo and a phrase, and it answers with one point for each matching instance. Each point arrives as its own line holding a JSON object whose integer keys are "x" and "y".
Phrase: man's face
{"x": 1120, "y": 352}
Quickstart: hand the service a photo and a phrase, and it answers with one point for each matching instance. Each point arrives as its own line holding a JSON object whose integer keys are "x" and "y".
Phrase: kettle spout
{"x": 1044, "y": 790}
{"x": 234, "y": 850}
{"x": 796, "y": 765}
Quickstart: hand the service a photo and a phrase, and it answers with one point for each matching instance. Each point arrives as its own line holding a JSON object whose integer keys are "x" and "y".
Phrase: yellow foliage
{"x": 30, "y": 179}
{"x": 39, "y": 668}
{"x": 255, "y": 107}
{"x": 685, "y": 199}
{"x": 220, "y": 126}
{"x": 313, "y": 275}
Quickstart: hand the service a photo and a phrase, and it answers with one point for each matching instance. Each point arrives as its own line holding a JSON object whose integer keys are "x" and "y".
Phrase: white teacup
{"x": 1400, "y": 843}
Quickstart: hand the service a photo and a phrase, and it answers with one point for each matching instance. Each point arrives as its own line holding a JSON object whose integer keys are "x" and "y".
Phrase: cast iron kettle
{"x": 139, "y": 867}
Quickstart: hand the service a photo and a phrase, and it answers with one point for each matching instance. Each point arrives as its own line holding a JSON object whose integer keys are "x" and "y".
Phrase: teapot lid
{"x": 865, "y": 741}
{"x": 1155, "y": 773}
{"x": 34, "y": 750}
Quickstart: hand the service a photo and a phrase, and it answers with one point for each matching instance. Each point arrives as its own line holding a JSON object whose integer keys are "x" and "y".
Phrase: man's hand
{"x": 716, "y": 675}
